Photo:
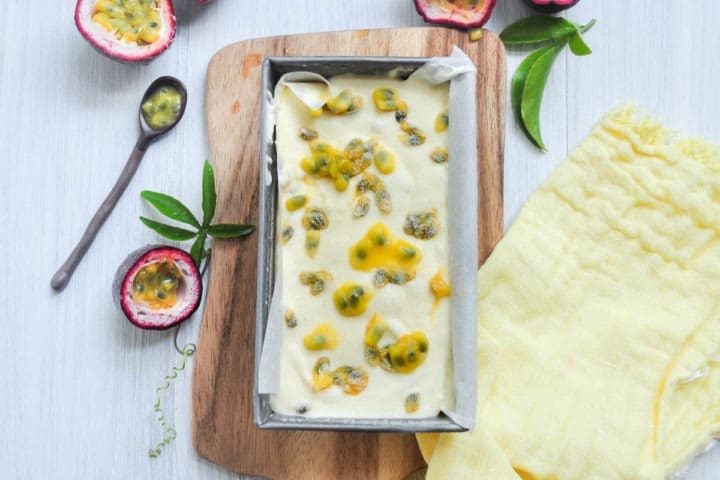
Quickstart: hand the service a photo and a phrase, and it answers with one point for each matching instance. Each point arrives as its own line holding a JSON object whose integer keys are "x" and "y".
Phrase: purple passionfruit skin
{"x": 456, "y": 13}
{"x": 551, "y": 6}
{"x": 121, "y": 50}
{"x": 137, "y": 312}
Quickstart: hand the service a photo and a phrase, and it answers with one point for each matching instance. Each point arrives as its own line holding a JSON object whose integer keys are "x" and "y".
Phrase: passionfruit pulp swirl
{"x": 323, "y": 337}
{"x": 387, "y": 99}
{"x": 403, "y": 356}
{"x": 326, "y": 161}
{"x": 352, "y": 380}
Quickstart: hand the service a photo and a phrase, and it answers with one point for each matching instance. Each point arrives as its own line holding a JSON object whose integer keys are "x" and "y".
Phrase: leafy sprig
{"x": 176, "y": 210}
{"x": 530, "y": 78}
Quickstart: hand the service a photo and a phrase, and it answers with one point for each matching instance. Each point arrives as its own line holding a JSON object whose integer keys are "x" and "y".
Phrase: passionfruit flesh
{"x": 456, "y": 13}
{"x": 157, "y": 287}
{"x": 127, "y": 30}
{"x": 131, "y": 20}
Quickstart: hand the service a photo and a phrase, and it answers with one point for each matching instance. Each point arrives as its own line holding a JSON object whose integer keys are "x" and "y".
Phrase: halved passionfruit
{"x": 157, "y": 287}
{"x": 456, "y": 13}
{"x": 127, "y": 30}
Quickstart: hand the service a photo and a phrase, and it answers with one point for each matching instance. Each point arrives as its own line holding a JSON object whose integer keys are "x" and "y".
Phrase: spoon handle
{"x": 61, "y": 278}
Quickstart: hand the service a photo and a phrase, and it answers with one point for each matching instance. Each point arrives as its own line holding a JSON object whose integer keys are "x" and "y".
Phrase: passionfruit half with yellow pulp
{"x": 127, "y": 30}
{"x": 157, "y": 287}
{"x": 456, "y": 13}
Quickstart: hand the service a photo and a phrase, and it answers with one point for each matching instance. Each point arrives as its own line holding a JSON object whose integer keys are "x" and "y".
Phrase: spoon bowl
{"x": 165, "y": 81}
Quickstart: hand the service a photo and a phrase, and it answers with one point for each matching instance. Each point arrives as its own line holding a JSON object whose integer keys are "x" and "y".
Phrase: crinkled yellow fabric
{"x": 599, "y": 319}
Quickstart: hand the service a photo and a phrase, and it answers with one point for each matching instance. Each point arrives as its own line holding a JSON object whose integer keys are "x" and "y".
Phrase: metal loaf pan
{"x": 272, "y": 69}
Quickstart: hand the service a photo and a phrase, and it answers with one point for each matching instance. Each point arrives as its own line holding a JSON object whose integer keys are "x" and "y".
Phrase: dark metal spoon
{"x": 147, "y": 135}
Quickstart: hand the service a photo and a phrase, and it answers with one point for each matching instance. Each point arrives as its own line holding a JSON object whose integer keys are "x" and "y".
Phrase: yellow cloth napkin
{"x": 599, "y": 318}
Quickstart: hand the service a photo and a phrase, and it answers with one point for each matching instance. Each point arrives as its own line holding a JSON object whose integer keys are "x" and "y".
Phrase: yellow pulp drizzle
{"x": 380, "y": 248}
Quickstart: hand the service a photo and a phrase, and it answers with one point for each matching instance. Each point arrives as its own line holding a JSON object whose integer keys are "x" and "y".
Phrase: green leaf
{"x": 170, "y": 207}
{"x": 578, "y": 46}
{"x": 537, "y": 29}
{"x": 209, "y": 196}
{"x": 168, "y": 231}
{"x": 518, "y": 83}
{"x": 230, "y": 230}
{"x": 198, "y": 249}
{"x": 533, "y": 91}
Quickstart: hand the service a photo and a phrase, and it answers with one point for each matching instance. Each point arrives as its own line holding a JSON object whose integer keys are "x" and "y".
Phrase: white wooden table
{"x": 76, "y": 381}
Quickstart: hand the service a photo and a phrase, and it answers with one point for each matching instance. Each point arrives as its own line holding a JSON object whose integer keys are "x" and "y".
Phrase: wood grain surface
{"x": 222, "y": 384}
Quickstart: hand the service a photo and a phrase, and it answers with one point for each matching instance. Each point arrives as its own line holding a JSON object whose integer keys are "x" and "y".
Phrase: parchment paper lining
{"x": 457, "y": 68}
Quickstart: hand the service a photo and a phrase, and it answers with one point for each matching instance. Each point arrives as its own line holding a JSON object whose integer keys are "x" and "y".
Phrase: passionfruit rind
{"x": 551, "y": 6}
{"x": 456, "y": 13}
{"x": 113, "y": 45}
{"x": 139, "y": 312}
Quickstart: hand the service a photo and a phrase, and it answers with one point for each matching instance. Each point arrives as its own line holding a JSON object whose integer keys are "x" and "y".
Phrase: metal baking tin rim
{"x": 263, "y": 416}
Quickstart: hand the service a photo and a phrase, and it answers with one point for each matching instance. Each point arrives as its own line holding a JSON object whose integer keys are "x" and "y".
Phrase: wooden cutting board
{"x": 224, "y": 432}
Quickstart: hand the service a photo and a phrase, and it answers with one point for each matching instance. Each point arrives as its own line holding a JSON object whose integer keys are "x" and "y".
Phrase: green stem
{"x": 204, "y": 268}
{"x": 177, "y": 347}
{"x": 588, "y": 26}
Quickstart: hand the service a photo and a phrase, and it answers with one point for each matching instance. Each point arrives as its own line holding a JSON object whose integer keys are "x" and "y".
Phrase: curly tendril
{"x": 187, "y": 351}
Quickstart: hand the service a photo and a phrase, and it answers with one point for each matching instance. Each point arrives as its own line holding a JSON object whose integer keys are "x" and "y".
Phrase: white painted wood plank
{"x": 524, "y": 165}
{"x": 77, "y": 388}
